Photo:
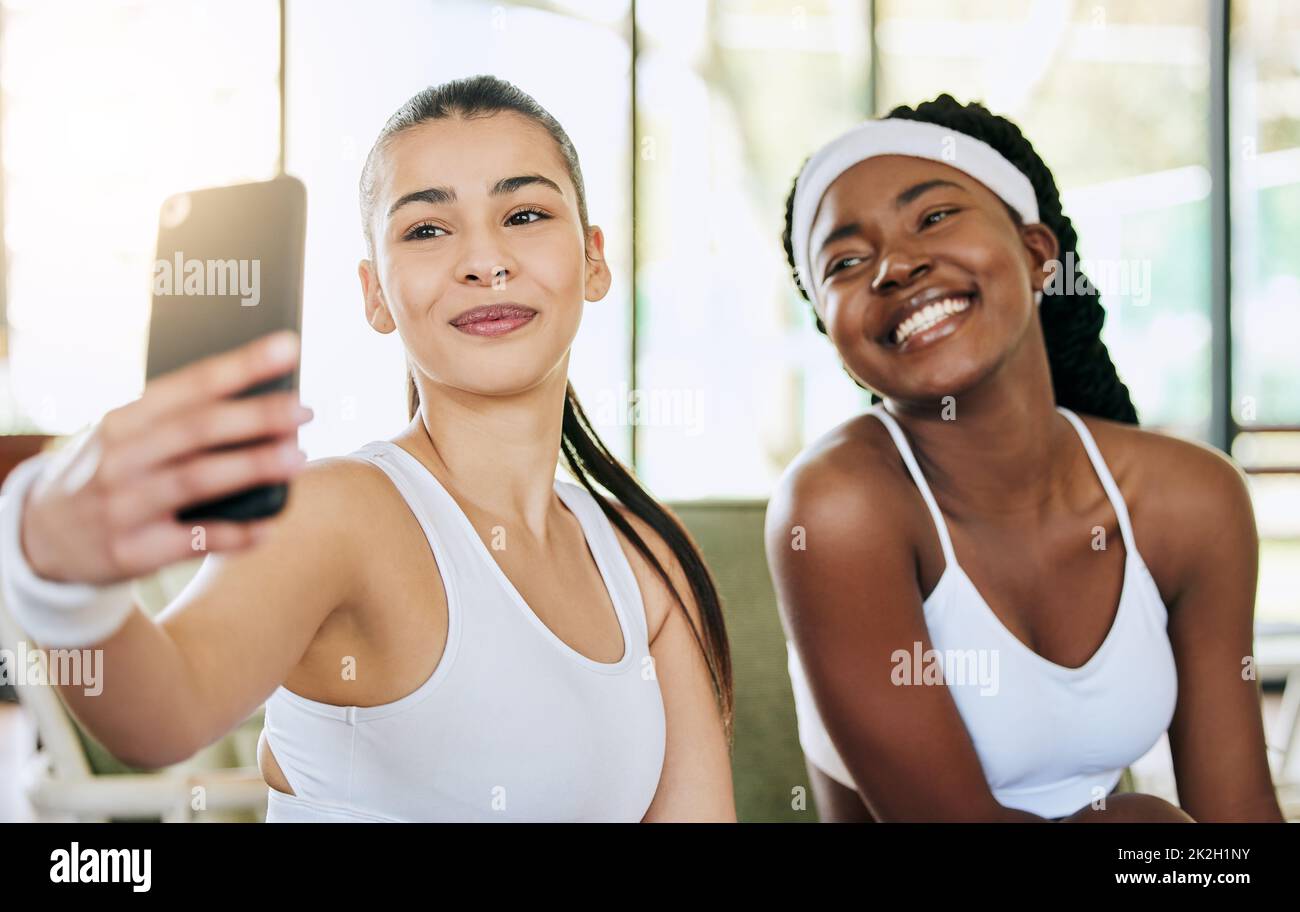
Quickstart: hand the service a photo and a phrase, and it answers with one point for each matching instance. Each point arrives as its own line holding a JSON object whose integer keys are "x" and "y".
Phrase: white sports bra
{"x": 1050, "y": 738}
{"x": 513, "y": 724}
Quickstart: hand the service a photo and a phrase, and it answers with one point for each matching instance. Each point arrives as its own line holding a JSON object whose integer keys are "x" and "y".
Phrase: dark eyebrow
{"x": 907, "y": 196}
{"x": 841, "y": 231}
{"x": 913, "y": 192}
{"x": 439, "y": 196}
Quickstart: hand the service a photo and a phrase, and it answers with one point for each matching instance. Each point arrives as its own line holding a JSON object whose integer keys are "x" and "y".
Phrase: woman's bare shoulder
{"x": 1158, "y": 466}
{"x": 339, "y": 486}
{"x": 848, "y": 479}
{"x": 656, "y": 596}
{"x": 1183, "y": 496}
{"x": 359, "y": 509}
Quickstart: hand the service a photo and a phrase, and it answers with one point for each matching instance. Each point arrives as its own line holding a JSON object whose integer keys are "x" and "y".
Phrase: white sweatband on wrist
{"x": 896, "y": 136}
{"x": 52, "y": 613}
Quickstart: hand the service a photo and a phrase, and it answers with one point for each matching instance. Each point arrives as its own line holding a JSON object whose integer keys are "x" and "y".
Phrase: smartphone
{"x": 228, "y": 271}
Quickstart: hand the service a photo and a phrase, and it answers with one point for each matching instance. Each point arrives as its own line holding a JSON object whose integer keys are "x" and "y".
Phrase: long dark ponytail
{"x": 586, "y": 455}
{"x": 1083, "y": 376}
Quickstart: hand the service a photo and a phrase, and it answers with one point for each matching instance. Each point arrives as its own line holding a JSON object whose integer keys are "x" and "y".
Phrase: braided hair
{"x": 1083, "y": 376}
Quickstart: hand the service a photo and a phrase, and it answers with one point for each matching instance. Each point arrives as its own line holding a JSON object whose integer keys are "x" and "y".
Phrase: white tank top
{"x": 1050, "y": 738}
{"x": 513, "y": 724}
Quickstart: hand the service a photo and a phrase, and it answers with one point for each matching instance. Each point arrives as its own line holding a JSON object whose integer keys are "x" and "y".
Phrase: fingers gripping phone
{"x": 228, "y": 271}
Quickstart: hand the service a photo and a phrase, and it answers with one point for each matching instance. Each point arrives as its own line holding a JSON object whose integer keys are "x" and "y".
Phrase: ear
{"x": 598, "y": 277}
{"x": 377, "y": 314}
{"x": 1043, "y": 250}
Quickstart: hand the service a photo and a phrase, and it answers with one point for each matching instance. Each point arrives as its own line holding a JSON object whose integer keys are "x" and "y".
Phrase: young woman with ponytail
{"x": 1069, "y": 586}
{"x": 440, "y": 628}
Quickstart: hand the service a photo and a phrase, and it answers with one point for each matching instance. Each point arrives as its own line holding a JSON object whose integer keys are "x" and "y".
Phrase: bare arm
{"x": 175, "y": 683}
{"x": 1217, "y": 733}
{"x": 695, "y": 784}
{"x": 105, "y": 512}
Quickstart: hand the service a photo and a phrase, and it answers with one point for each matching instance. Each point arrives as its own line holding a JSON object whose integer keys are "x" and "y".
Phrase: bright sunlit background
{"x": 108, "y": 107}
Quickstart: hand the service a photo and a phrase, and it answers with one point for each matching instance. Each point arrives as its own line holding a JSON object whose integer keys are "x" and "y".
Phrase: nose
{"x": 486, "y": 262}
{"x": 491, "y": 275}
{"x": 898, "y": 269}
{"x": 485, "y": 273}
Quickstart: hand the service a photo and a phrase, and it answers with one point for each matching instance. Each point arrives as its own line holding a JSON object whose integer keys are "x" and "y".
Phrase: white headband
{"x": 894, "y": 136}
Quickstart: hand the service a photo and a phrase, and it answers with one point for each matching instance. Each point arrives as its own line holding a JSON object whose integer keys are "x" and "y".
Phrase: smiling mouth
{"x": 932, "y": 322}
{"x": 493, "y": 319}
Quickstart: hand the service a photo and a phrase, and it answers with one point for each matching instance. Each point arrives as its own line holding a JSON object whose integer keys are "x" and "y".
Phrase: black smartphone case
{"x": 205, "y": 309}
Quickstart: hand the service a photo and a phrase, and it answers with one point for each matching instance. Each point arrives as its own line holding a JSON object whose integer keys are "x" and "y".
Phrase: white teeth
{"x": 929, "y": 315}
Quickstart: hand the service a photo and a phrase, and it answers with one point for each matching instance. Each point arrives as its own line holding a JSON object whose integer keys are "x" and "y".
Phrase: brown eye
{"x": 537, "y": 212}
{"x": 839, "y": 264}
{"x": 421, "y": 232}
{"x": 942, "y": 212}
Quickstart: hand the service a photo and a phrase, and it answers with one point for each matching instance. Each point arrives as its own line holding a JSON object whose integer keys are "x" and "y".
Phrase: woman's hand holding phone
{"x": 106, "y": 510}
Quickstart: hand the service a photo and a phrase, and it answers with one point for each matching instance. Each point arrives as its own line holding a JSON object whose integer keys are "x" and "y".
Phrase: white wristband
{"x": 51, "y": 613}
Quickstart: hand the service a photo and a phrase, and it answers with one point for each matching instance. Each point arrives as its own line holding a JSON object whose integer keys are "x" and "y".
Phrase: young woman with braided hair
{"x": 979, "y": 527}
